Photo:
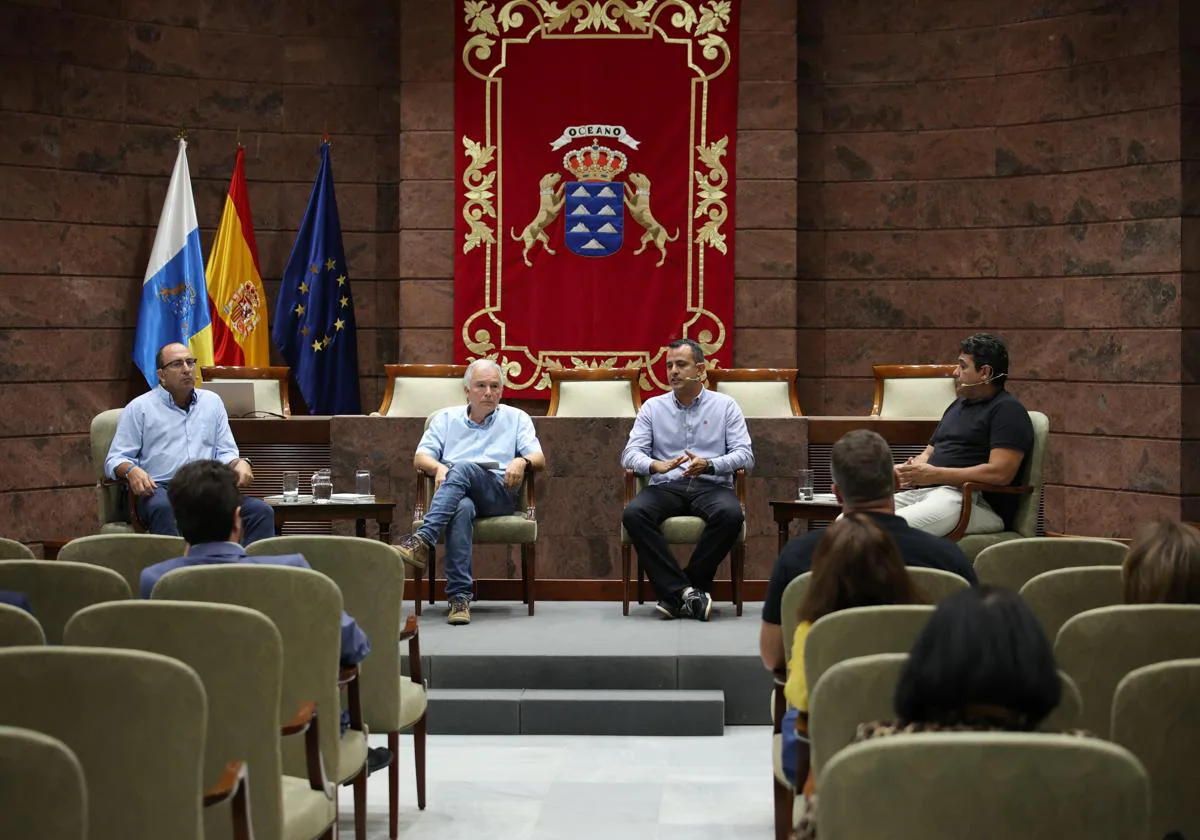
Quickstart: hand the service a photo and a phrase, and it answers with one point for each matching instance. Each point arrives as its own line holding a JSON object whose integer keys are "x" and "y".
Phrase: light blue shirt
{"x": 452, "y": 436}
{"x": 712, "y": 427}
{"x": 160, "y": 437}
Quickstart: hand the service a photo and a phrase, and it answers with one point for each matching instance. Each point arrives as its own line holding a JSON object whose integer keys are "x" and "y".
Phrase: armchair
{"x": 59, "y": 589}
{"x": 913, "y": 390}
{"x": 270, "y": 385}
{"x": 420, "y": 390}
{"x": 760, "y": 392}
{"x": 13, "y": 550}
{"x": 42, "y": 790}
{"x": 681, "y": 530}
{"x": 116, "y": 506}
{"x": 599, "y": 392}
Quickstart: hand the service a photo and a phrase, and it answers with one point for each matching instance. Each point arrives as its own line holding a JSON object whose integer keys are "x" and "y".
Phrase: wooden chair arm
{"x": 234, "y": 784}
{"x": 130, "y": 502}
{"x": 778, "y": 701}
{"x": 422, "y": 496}
{"x": 968, "y": 493}
{"x": 306, "y": 721}
{"x": 348, "y": 679}
{"x": 630, "y": 486}
{"x": 410, "y": 634}
{"x": 739, "y": 487}
{"x": 531, "y": 511}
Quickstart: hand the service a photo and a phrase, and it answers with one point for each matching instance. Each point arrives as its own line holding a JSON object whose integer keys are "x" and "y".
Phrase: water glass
{"x": 806, "y": 486}
{"x": 291, "y": 486}
{"x": 362, "y": 484}
{"x": 322, "y": 487}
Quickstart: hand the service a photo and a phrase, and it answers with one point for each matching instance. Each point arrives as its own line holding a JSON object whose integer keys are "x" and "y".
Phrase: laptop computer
{"x": 237, "y": 396}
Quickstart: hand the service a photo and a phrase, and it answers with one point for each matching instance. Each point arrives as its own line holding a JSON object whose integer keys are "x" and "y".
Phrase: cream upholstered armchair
{"x": 420, "y": 390}
{"x": 42, "y": 790}
{"x": 1061, "y": 594}
{"x": 913, "y": 390}
{"x": 58, "y": 589}
{"x": 238, "y": 655}
{"x": 117, "y": 509}
{"x": 599, "y": 392}
{"x": 125, "y": 554}
{"x": 270, "y": 385}
{"x": 137, "y": 730}
{"x": 759, "y": 392}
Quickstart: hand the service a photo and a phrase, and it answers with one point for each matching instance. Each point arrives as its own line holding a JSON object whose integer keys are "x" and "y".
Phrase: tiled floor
{"x": 573, "y": 788}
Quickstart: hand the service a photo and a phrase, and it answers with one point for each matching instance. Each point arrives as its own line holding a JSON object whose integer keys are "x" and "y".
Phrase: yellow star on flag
{"x": 345, "y": 301}
{"x": 316, "y": 346}
{"x": 304, "y": 331}
{"x": 342, "y": 280}
{"x": 326, "y": 341}
{"x": 330, "y": 264}
{"x": 299, "y": 309}
{"x": 338, "y": 324}
{"x": 303, "y": 288}
{"x": 314, "y": 268}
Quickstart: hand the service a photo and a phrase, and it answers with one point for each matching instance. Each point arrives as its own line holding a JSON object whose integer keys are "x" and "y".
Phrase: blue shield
{"x": 594, "y": 217}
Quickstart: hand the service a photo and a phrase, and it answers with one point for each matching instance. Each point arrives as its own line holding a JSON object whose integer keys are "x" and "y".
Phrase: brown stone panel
{"x": 69, "y": 302}
{"x": 1030, "y": 252}
{"x": 780, "y": 448}
{"x": 955, "y": 103}
{"x": 179, "y": 13}
{"x": 1028, "y": 149}
{"x": 767, "y": 56}
{"x": 56, "y": 408}
{"x": 30, "y": 355}
{"x": 427, "y": 47}
{"x": 243, "y": 56}
{"x": 245, "y": 105}
{"x": 764, "y": 253}
{"x": 31, "y": 31}
{"x": 1123, "y": 355}
{"x": 427, "y": 303}
{"x": 426, "y": 346}
{"x": 764, "y": 348}
{"x": 1150, "y": 245}
{"x": 1034, "y": 45}
{"x": 1108, "y": 513}
{"x": 1148, "y": 135}
{"x": 859, "y": 59}
{"x": 990, "y": 303}
{"x": 761, "y": 105}
{"x": 880, "y": 107}
{"x": 430, "y": 204}
{"x": 561, "y": 557}
{"x": 954, "y": 153}
{"x": 959, "y": 203}
{"x": 810, "y": 254}
{"x": 765, "y": 303}
{"x": 1130, "y": 192}
{"x": 766, "y": 154}
{"x": 871, "y": 156}
{"x": 428, "y": 155}
{"x": 29, "y": 86}
{"x": 810, "y": 304}
{"x": 850, "y": 396}
{"x": 1105, "y": 408}
{"x": 338, "y": 61}
{"x": 101, "y": 251}
{"x": 28, "y": 193}
{"x": 961, "y": 14}
{"x": 810, "y": 354}
{"x": 1144, "y": 466}
{"x": 427, "y": 106}
{"x": 870, "y": 16}
{"x": 870, "y": 205}
{"x": 241, "y": 17}
{"x": 958, "y": 253}
{"x": 1126, "y": 84}
{"x": 768, "y": 16}
{"x": 38, "y": 463}
{"x": 61, "y": 514}
{"x": 92, "y": 94}
{"x": 31, "y": 247}
{"x": 811, "y": 395}
{"x": 426, "y": 253}
{"x": 760, "y": 204}
{"x": 164, "y": 50}
{"x": 574, "y": 506}
{"x": 852, "y": 352}
{"x": 96, "y": 42}
{"x": 336, "y": 110}
{"x": 1149, "y": 301}
{"x": 956, "y": 53}
{"x": 852, "y": 254}
{"x": 1054, "y": 506}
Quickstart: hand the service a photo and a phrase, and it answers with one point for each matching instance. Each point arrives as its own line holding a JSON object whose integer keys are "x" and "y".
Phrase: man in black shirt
{"x": 863, "y": 482}
{"x": 984, "y": 436}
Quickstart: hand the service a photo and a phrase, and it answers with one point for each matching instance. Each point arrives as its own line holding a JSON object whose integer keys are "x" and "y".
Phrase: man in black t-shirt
{"x": 984, "y": 436}
{"x": 862, "y": 466}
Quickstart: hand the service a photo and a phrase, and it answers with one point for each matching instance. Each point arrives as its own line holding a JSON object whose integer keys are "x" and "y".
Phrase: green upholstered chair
{"x": 270, "y": 385}
{"x": 43, "y": 794}
{"x": 1154, "y": 717}
{"x": 306, "y": 608}
{"x": 18, "y": 628}
{"x": 862, "y": 689}
{"x": 681, "y": 530}
{"x": 759, "y": 392}
{"x": 371, "y": 578}
{"x": 966, "y": 784}
{"x": 1014, "y": 563}
{"x": 913, "y": 390}
{"x": 420, "y": 390}
{"x": 1028, "y": 491}
{"x": 517, "y": 528}
{"x": 1057, "y": 595}
{"x": 861, "y": 631}
{"x": 1099, "y": 647}
{"x": 115, "y": 508}
{"x": 125, "y": 554}
{"x": 783, "y": 792}
{"x": 595, "y": 392}
{"x": 57, "y": 590}
{"x": 13, "y": 550}
{"x": 135, "y": 721}
{"x": 238, "y": 655}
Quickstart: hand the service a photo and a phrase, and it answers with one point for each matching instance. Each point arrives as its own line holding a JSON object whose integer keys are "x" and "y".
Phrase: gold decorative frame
{"x": 699, "y": 24}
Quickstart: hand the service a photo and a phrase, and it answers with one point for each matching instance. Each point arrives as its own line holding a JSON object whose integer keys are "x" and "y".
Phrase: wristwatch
{"x": 710, "y": 469}
{"x": 528, "y": 463}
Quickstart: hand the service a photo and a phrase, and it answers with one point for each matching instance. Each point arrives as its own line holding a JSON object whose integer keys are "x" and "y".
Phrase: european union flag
{"x": 314, "y": 318}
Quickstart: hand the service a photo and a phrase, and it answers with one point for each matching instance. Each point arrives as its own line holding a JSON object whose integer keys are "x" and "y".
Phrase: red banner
{"x": 596, "y": 186}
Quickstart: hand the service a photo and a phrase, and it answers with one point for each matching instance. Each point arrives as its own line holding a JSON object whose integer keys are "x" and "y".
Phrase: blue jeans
{"x": 468, "y": 491}
{"x": 258, "y": 520}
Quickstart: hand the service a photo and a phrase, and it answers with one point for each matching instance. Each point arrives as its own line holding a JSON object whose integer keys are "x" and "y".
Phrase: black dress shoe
{"x": 377, "y": 759}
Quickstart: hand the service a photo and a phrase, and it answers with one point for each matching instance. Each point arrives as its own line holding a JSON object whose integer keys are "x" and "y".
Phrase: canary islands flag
{"x": 174, "y": 304}
{"x": 314, "y": 316}
{"x": 237, "y": 304}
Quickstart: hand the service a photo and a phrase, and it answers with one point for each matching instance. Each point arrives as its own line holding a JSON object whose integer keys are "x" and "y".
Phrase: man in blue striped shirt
{"x": 690, "y": 442}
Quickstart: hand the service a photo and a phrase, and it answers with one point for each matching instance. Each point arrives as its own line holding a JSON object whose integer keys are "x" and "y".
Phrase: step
{"x": 575, "y": 712}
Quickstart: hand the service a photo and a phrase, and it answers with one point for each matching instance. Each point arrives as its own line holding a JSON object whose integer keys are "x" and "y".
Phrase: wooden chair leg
{"x": 783, "y": 810}
{"x": 418, "y": 576}
{"x": 432, "y": 569}
{"x": 625, "y": 561}
{"x": 641, "y": 590}
{"x": 360, "y": 805}
{"x": 419, "y": 759}
{"x": 529, "y": 574}
{"x": 394, "y": 785}
{"x": 737, "y": 574}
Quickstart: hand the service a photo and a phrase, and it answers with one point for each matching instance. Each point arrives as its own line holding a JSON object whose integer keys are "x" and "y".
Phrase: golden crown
{"x": 594, "y": 163}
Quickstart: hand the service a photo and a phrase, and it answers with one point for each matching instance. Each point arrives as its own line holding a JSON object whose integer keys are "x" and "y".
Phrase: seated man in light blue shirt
{"x": 478, "y": 455}
{"x": 690, "y": 442}
{"x": 168, "y": 427}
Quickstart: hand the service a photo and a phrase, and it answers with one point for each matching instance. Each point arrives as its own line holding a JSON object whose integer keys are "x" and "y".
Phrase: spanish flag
{"x": 236, "y": 300}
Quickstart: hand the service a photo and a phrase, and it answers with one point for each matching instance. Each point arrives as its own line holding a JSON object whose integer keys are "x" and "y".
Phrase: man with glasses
{"x": 168, "y": 427}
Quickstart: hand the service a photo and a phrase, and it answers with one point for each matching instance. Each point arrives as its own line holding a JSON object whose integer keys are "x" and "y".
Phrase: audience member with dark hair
{"x": 207, "y": 505}
{"x": 857, "y": 564}
{"x": 1163, "y": 565}
{"x": 982, "y": 664}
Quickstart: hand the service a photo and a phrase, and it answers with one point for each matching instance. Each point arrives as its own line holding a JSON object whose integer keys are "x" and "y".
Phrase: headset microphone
{"x": 983, "y": 381}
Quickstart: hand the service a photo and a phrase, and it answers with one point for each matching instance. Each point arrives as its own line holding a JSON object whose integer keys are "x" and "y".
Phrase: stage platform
{"x": 581, "y": 668}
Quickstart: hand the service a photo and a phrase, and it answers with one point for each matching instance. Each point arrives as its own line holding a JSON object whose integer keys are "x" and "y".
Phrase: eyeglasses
{"x": 180, "y": 364}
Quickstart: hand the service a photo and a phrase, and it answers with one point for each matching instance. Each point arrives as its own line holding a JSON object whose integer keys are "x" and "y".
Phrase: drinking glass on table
{"x": 291, "y": 486}
{"x": 322, "y": 487}
{"x": 362, "y": 484}
{"x": 805, "y": 493}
